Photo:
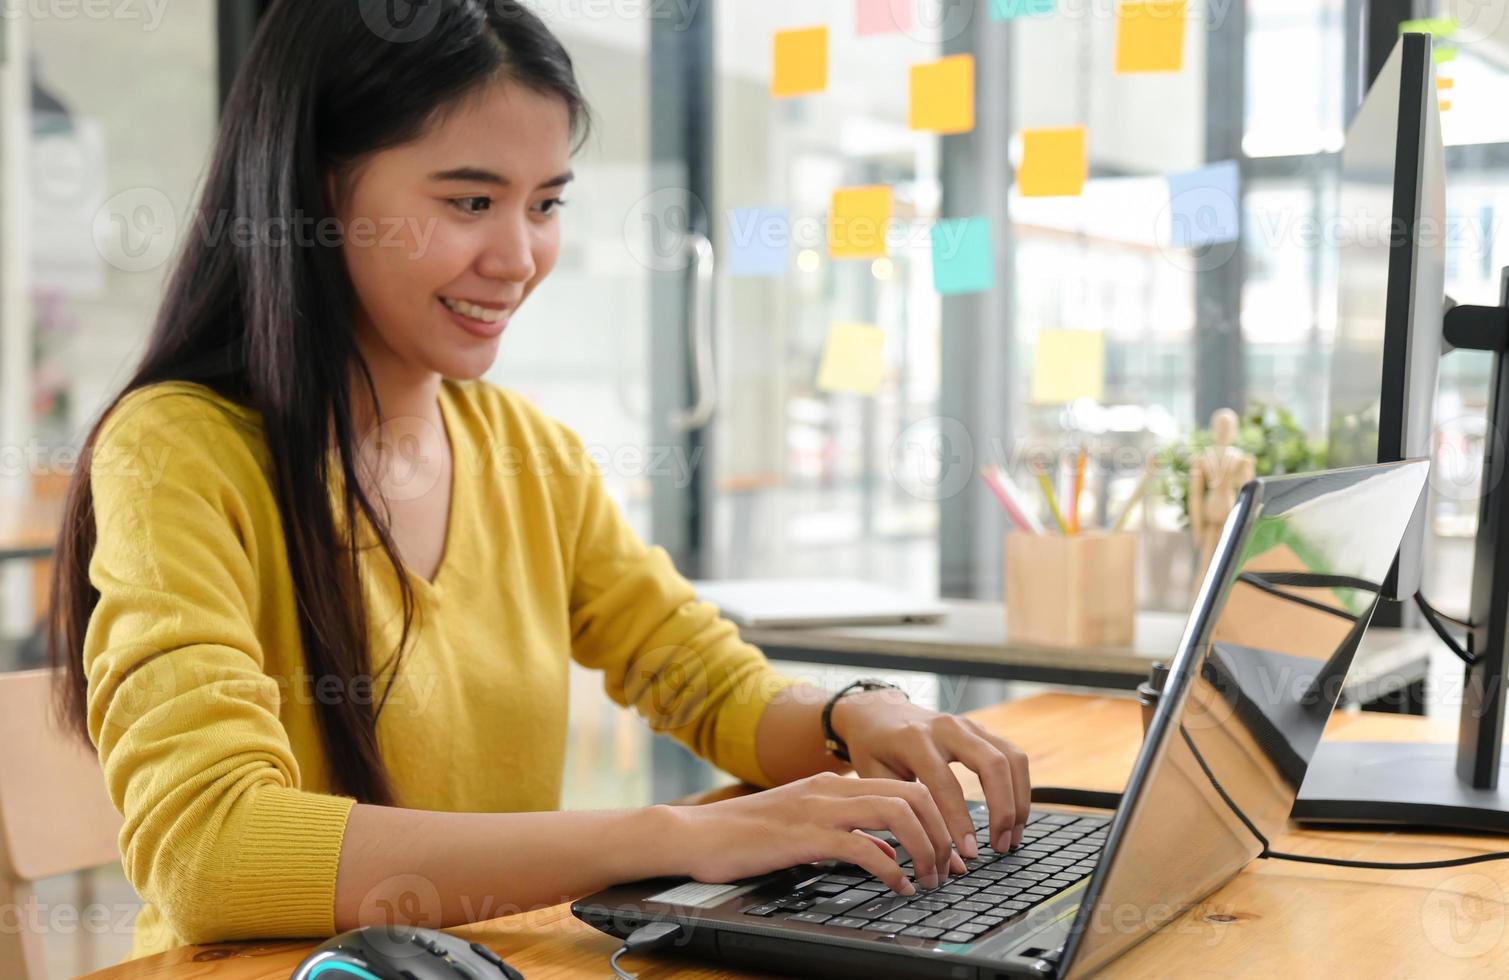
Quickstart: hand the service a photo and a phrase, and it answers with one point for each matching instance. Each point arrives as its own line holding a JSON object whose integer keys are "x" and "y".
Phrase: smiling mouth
{"x": 482, "y": 314}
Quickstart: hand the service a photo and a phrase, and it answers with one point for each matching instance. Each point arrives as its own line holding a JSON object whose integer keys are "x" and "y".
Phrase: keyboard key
{"x": 891, "y": 927}
{"x": 846, "y": 880}
{"x": 841, "y": 904}
{"x": 988, "y": 921}
{"x": 762, "y": 910}
{"x": 972, "y": 906}
{"x": 948, "y": 919}
{"x": 847, "y": 922}
{"x": 815, "y": 917}
{"x": 1015, "y": 906}
{"x": 909, "y": 915}
{"x": 873, "y": 886}
{"x": 877, "y": 908}
{"x": 829, "y": 888}
{"x": 931, "y": 904}
{"x": 923, "y": 932}
{"x": 798, "y": 906}
{"x": 957, "y": 937}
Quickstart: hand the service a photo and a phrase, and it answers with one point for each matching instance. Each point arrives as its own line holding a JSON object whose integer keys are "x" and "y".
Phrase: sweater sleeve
{"x": 218, "y": 833}
{"x": 674, "y": 658}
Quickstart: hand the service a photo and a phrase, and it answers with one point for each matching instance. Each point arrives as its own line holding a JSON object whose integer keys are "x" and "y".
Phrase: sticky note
{"x": 943, "y": 95}
{"x": 801, "y": 62}
{"x": 1442, "y": 84}
{"x": 759, "y": 242}
{"x": 1150, "y": 35}
{"x": 963, "y": 260}
{"x": 1055, "y": 162}
{"x": 852, "y": 358}
{"x": 857, "y": 222}
{"x": 1203, "y": 206}
{"x": 882, "y": 16}
{"x": 1446, "y": 106}
{"x": 1443, "y": 53}
{"x": 1068, "y": 365}
{"x": 1012, "y": 9}
{"x": 1442, "y": 27}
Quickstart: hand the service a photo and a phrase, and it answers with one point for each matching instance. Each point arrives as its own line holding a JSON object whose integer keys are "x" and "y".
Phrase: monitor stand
{"x": 1458, "y": 787}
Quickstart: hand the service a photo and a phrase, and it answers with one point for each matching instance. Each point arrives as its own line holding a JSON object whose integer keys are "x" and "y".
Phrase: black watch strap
{"x": 837, "y": 747}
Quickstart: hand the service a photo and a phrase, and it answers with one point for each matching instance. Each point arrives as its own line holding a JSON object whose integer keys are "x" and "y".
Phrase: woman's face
{"x": 446, "y": 236}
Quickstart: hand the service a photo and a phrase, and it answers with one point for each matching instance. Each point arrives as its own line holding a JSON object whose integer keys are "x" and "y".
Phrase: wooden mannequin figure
{"x": 1216, "y": 474}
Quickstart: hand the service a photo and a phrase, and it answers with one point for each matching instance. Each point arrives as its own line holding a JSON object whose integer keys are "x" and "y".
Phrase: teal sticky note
{"x": 963, "y": 260}
{"x": 1012, "y": 9}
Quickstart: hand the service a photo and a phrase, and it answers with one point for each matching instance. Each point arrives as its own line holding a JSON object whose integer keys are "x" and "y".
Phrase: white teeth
{"x": 474, "y": 311}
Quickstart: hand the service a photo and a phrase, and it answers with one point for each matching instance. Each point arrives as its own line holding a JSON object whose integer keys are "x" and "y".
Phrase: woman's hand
{"x": 893, "y": 738}
{"x": 816, "y": 819}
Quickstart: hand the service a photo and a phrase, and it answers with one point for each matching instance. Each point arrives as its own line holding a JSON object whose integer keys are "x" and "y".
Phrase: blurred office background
{"x": 109, "y": 118}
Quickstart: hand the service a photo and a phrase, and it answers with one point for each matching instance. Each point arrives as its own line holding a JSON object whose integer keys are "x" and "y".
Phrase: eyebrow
{"x": 479, "y": 175}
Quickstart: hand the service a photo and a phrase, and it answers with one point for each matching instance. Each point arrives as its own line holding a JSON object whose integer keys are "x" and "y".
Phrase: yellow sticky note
{"x": 1150, "y": 35}
{"x": 943, "y": 95}
{"x": 801, "y": 62}
{"x": 1446, "y": 105}
{"x": 1055, "y": 162}
{"x": 852, "y": 358}
{"x": 857, "y": 222}
{"x": 1068, "y": 365}
{"x": 1443, "y": 84}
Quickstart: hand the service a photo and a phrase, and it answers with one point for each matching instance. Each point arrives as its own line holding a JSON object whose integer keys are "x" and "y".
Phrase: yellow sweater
{"x": 201, "y": 705}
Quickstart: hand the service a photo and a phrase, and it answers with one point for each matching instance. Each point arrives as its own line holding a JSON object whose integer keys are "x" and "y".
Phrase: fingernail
{"x": 910, "y": 889}
{"x": 927, "y": 882}
{"x": 970, "y": 849}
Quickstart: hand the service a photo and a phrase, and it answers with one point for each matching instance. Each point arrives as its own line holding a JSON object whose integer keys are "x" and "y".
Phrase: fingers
{"x": 996, "y": 776}
{"x": 896, "y": 814}
{"x": 934, "y": 773}
{"x": 1021, "y": 780}
{"x": 858, "y": 848}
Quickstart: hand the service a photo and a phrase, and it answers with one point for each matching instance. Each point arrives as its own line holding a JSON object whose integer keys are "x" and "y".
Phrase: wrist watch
{"x": 836, "y": 746}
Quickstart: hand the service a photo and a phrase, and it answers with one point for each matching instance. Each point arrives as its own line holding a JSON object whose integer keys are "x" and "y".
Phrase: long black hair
{"x": 269, "y": 325}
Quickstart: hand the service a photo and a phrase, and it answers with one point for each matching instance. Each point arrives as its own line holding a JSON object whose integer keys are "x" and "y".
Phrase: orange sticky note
{"x": 943, "y": 95}
{"x": 852, "y": 359}
{"x": 1150, "y": 35}
{"x": 857, "y": 222}
{"x": 801, "y": 62}
{"x": 1446, "y": 106}
{"x": 1055, "y": 162}
{"x": 1446, "y": 83}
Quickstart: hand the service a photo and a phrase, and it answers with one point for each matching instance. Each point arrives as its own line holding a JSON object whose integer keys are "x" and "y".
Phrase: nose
{"x": 510, "y": 252}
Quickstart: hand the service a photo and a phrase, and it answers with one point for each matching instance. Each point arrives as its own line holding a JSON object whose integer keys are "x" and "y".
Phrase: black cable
{"x": 1425, "y": 604}
{"x": 652, "y": 935}
{"x": 1435, "y": 619}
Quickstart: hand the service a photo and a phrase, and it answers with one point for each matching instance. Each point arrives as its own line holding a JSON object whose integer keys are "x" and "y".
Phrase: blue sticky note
{"x": 1012, "y": 9}
{"x": 963, "y": 260}
{"x": 759, "y": 242}
{"x": 1203, "y": 206}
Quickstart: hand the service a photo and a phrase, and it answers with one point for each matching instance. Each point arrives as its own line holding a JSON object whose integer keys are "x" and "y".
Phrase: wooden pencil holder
{"x": 1071, "y": 591}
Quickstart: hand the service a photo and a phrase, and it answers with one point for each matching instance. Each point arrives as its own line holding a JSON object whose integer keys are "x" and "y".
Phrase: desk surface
{"x": 971, "y": 640}
{"x": 1274, "y": 919}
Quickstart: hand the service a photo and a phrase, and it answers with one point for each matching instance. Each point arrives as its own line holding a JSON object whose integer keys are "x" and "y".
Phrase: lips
{"x": 477, "y": 319}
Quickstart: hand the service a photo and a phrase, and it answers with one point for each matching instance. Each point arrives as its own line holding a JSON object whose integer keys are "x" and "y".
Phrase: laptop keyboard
{"x": 1057, "y": 850}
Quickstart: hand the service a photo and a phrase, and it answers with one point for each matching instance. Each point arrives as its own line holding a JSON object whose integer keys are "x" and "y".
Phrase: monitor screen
{"x": 1391, "y": 234}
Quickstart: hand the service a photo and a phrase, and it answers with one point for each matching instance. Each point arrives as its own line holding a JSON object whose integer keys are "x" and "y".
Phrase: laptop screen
{"x": 1280, "y": 614}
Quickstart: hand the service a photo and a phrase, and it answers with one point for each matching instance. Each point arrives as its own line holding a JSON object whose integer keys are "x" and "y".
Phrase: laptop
{"x": 794, "y": 603}
{"x": 1294, "y": 582}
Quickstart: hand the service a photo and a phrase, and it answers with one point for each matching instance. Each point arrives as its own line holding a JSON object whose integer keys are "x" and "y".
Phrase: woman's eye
{"x": 472, "y": 205}
{"x": 550, "y": 206}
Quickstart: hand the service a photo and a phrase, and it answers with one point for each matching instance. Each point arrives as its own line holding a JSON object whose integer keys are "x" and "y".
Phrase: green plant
{"x": 1269, "y": 432}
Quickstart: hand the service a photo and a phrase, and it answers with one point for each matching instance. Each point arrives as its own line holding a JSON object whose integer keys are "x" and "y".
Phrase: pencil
{"x": 1131, "y": 504}
{"x": 1006, "y": 502}
{"x": 1079, "y": 487}
{"x": 1023, "y": 506}
{"x": 1052, "y": 498}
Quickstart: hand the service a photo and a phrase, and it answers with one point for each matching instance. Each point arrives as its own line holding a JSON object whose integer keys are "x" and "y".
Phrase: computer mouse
{"x": 402, "y": 953}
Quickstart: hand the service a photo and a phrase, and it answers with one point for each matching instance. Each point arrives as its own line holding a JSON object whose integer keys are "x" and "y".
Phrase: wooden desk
{"x": 1389, "y": 670}
{"x": 1274, "y": 920}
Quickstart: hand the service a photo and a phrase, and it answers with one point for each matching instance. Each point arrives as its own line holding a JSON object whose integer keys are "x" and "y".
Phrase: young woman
{"x": 326, "y": 678}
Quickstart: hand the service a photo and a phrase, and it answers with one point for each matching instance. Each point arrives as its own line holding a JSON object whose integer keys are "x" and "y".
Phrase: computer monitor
{"x": 1392, "y": 281}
